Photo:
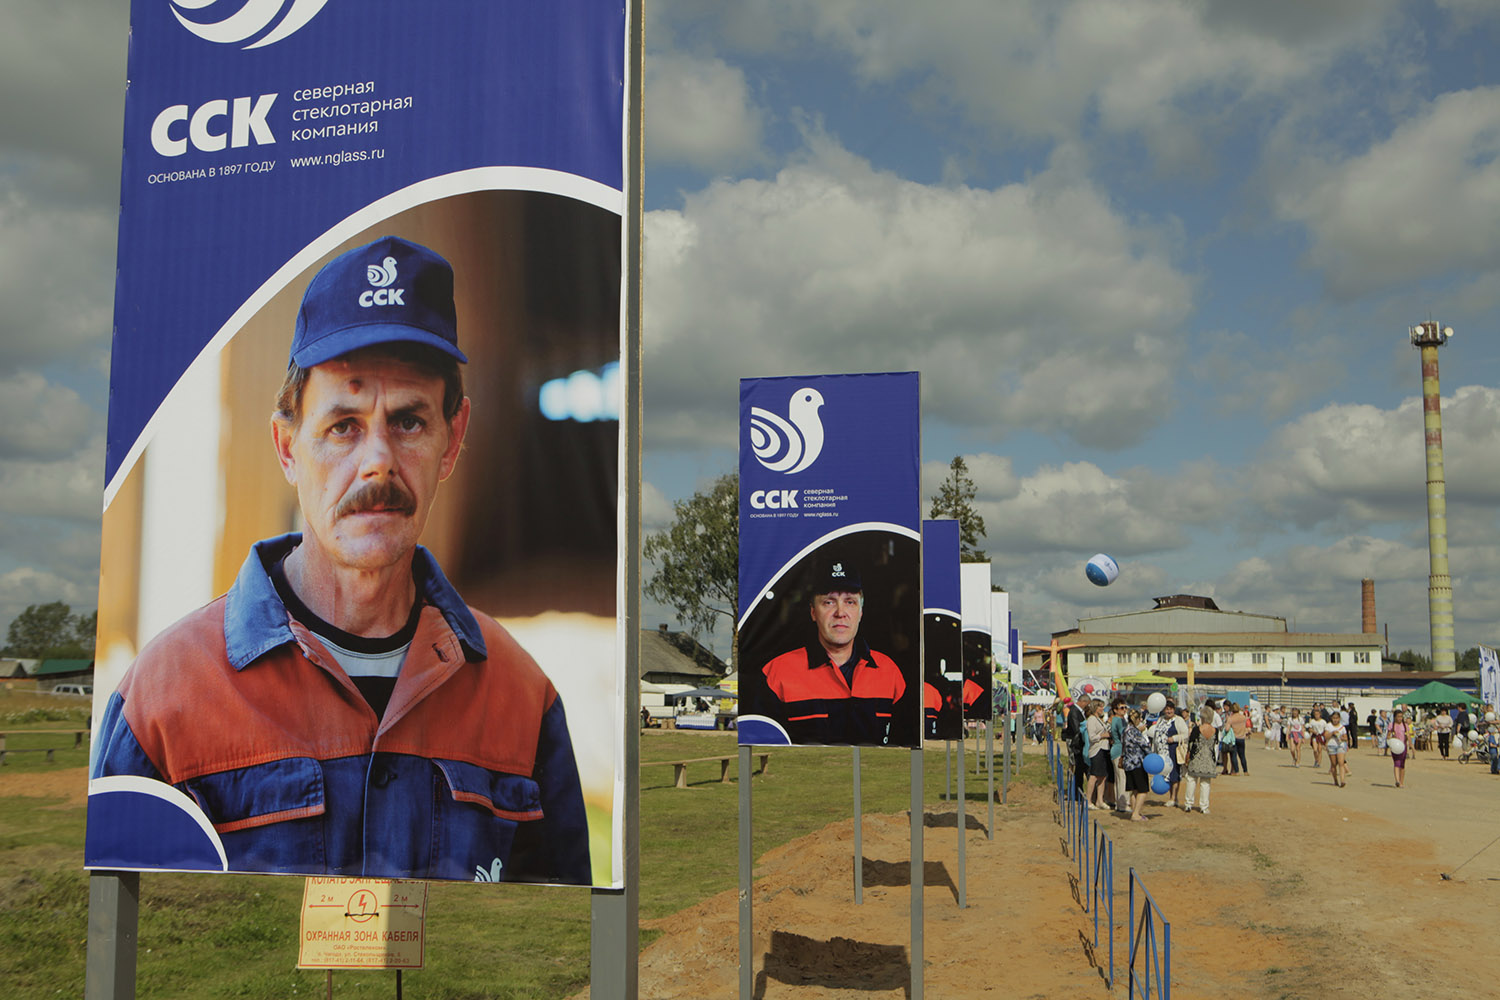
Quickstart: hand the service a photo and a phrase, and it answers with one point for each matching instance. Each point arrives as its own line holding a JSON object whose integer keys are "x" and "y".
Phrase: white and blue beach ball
{"x": 1101, "y": 570}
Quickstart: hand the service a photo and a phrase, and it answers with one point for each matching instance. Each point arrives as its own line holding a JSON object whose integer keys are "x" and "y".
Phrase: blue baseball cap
{"x": 385, "y": 292}
{"x": 837, "y": 576}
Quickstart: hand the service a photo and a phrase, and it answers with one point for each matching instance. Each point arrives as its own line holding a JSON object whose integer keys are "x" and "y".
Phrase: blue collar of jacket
{"x": 256, "y": 622}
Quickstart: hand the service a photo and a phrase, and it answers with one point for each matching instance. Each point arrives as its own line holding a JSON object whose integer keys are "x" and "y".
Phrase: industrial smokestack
{"x": 1428, "y": 337}
{"x": 1367, "y": 607}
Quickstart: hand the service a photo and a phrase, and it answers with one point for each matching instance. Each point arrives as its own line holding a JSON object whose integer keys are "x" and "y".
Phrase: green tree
{"x": 52, "y": 629}
{"x": 955, "y": 499}
{"x": 1418, "y": 661}
{"x": 697, "y": 560}
{"x": 1468, "y": 659}
{"x": 85, "y": 629}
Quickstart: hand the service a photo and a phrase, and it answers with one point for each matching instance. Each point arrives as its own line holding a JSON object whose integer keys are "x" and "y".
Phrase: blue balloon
{"x": 1159, "y": 785}
{"x": 1101, "y": 570}
{"x": 1155, "y": 763}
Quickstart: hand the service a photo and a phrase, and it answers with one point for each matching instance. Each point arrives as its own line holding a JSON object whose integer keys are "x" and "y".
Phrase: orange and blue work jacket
{"x": 821, "y": 706}
{"x": 469, "y": 774}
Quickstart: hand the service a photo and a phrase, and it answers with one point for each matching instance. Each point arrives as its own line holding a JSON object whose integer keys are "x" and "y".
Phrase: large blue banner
{"x": 381, "y": 639}
{"x": 830, "y": 586}
{"x": 942, "y": 632}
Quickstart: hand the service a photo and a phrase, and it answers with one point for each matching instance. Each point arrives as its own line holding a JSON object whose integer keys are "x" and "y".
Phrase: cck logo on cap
{"x": 388, "y": 291}
{"x": 381, "y": 276}
{"x": 837, "y": 578}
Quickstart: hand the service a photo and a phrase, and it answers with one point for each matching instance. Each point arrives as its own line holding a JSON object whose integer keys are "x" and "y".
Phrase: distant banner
{"x": 942, "y": 633}
{"x": 1489, "y": 677}
{"x": 380, "y": 640}
{"x": 830, "y": 584}
{"x": 979, "y": 669}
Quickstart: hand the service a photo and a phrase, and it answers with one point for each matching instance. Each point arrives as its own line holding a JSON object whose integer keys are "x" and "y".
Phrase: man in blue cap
{"x": 836, "y": 689}
{"x": 341, "y": 710}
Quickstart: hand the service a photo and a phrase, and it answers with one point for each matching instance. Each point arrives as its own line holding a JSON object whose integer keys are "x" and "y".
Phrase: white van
{"x": 81, "y": 690}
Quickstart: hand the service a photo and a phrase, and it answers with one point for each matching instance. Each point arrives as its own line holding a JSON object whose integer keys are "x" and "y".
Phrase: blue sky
{"x": 1155, "y": 260}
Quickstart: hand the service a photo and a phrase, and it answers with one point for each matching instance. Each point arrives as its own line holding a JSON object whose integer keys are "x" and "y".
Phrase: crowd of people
{"x": 1109, "y": 743}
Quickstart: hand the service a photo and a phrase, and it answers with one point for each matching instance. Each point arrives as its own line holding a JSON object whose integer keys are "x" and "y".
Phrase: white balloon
{"x": 1101, "y": 570}
{"x": 1156, "y": 702}
{"x": 1397, "y": 746}
{"x": 1473, "y": 735}
{"x": 1489, "y": 716}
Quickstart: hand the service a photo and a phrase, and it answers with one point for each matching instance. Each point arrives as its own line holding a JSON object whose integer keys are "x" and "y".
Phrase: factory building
{"x": 1236, "y": 651}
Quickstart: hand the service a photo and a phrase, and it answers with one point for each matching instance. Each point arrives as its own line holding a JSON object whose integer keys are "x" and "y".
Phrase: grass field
{"x": 208, "y": 936}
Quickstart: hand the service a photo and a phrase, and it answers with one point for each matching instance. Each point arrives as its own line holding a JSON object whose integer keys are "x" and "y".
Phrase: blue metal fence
{"x": 1092, "y": 851}
{"x": 1103, "y": 896}
{"x": 1150, "y": 946}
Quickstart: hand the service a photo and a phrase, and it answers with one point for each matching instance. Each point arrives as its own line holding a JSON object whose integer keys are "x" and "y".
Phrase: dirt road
{"x": 1290, "y": 888}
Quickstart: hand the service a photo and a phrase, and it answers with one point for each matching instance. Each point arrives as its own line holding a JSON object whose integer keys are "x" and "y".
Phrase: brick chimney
{"x": 1367, "y": 606}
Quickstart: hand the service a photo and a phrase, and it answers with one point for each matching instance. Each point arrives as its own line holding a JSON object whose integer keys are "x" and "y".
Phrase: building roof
{"x": 54, "y": 668}
{"x": 665, "y": 652}
{"x": 1186, "y": 601}
{"x": 16, "y": 668}
{"x": 1211, "y": 640}
{"x": 1344, "y": 678}
{"x": 1181, "y": 618}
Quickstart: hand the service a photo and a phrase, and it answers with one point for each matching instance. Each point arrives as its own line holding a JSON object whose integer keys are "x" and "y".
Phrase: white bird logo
{"x": 788, "y": 445}
{"x": 252, "y": 17}
{"x": 382, "y": 275}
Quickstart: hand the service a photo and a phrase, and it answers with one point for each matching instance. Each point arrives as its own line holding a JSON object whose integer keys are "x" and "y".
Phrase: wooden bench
{"x": 680, "y": 774}
{"x": 79, "y": 735}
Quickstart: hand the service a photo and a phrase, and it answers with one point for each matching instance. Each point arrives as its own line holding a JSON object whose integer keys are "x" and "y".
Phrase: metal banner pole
{"x": 963, "y": 881}
{"x": 114, "y": 905}
{"x": 947, "y": 768}
{"x": 918, "y": 872}
{"x": 614, "y": 914}
{"x": 747, "y": 879}
{"x": 859, "y": 853}
{"x": 1004, "y": 771}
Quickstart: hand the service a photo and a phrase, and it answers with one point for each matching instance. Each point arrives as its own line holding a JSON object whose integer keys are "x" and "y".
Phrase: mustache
{"x": 387, "y": 495}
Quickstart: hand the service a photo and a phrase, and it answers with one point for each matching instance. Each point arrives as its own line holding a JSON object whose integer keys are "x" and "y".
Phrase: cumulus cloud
{"x": 1422, "y": 202}
{"x": 62, "y": 69}
{"x": 1163, "y": 71}
{"x": 1025, "y": 306}
{"x": 700, "y": 113}
{"x": 656, "y": 509}
{"x": 1356, "y": 464}
{"x": 26, "y": 586}
{"x": 39, "y": 419}
{"x": 72, "y": 488}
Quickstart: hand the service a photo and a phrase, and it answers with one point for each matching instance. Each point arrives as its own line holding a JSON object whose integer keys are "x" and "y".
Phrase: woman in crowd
{"x": 1442, "y": 724}
{"x": 1116, "y": 791}
{"x": 1399, "y": 730}
{"x": 1317, "y": 728}
{"x": 1168, "y": 737}
{"x": 1133, "y": 761}
{"x": 1296, "y": 732}
{"x": 1379, "y": 727}
{"x": 1239, "y": 724}
{"x": 1200, "y": 763}
{"x": 1098, "y": 751}
{"x": 1226, "y": 736}
{"x": 1272, "y": 732}
{"x": 1338, "y": 747}
{"x": 1038, "y": 724}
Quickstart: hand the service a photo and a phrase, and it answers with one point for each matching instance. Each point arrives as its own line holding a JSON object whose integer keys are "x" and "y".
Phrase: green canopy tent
{"x": 1437, "y": 693}
{"x": 1147, "y": 677}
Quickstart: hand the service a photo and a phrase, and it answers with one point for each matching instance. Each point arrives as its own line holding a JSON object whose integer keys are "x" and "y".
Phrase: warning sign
{"x": 362, "y": 923}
